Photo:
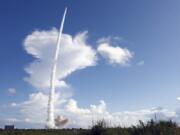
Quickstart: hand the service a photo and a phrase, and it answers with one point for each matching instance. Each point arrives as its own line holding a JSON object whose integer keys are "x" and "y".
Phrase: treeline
{"x": 101, "y": 128}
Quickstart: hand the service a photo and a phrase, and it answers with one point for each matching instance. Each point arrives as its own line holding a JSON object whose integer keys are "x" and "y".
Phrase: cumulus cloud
{"x": 141, "y": 63}
{"x": 83, "y": 117}
{"x": 12, "y": 91}
{"x": 13, "y": 104}
{"x": 35, "y": 108}
{"x": 33, "y": 112}
{"x": 75, "y": 54}
{"x": 114, "y": 54}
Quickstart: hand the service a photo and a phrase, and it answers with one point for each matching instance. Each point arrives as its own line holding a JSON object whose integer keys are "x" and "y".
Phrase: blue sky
{"x": 149, "y": 29}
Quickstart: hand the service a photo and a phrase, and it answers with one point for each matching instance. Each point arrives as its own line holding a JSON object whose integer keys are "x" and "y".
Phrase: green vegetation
{"x": 101, "y": 128}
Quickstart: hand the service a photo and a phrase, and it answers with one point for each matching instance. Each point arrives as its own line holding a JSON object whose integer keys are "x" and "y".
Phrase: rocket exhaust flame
{"x": 51, "y": 119}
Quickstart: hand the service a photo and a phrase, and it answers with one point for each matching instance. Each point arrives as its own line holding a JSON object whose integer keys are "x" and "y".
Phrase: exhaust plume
{"x": 60, "y": 121}
{"x": 50, "y": 118}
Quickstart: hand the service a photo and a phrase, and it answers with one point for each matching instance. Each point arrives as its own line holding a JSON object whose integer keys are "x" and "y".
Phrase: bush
{"x": 98, "y": 128}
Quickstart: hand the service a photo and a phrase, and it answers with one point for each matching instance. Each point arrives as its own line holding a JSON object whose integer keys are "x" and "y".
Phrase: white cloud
{"x": 33, "y": 109}
{"x": 114, "y": 55}
{"x": 83, "y": 117}
{"x": 13, "y": 104}
{"x": 140, "y": 63}
{"x": 178, "y": 98}
{"x": 12, "y": 91}
{"x": 75, "y": 54}
{"x": 72, "y": 107}
{"x": 33, "y": 112}
{"x": 111, "y": 39}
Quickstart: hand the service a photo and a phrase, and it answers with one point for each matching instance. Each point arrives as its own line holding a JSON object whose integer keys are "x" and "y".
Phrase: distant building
{"x": 9, "y": 127}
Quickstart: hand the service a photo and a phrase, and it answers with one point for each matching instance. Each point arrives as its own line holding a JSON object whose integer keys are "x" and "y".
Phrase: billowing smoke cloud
{"x": 60, "y": 121}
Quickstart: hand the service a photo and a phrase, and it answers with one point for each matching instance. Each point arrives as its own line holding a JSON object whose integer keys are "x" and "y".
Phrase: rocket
{"x": 50, "y": 118}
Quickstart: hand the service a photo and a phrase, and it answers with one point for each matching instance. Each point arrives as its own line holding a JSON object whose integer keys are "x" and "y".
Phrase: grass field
{"x": 101, "y": 128}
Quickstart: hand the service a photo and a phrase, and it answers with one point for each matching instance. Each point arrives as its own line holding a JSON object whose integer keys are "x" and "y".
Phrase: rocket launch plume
{"x": 51, "y": 118}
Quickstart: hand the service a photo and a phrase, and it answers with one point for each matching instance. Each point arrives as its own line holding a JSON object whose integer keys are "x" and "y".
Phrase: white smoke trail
{"x": 50, "y": 119}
